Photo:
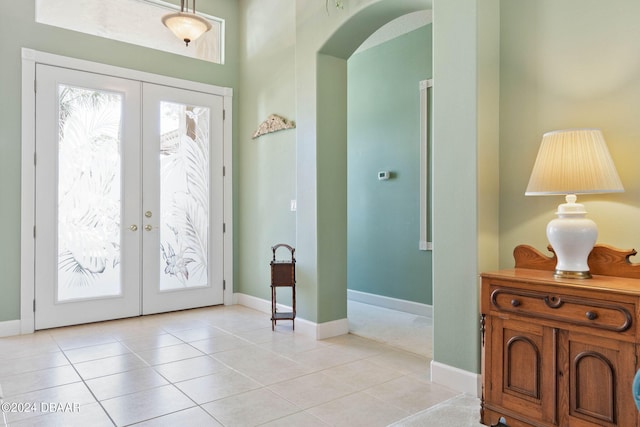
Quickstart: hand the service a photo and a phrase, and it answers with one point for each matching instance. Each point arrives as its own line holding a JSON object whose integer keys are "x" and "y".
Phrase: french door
{"x": 128, "y": 198}
{"x": 182, "y": 197}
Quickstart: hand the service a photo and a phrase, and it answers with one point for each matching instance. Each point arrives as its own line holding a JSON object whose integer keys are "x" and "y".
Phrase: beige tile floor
{"x": 414, "y": 334}
{"x": 217, "y": 366}
{"x": 405, "y": 331}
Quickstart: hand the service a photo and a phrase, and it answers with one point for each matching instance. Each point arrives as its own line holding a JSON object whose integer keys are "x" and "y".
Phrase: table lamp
{"x": 570, "y": 162}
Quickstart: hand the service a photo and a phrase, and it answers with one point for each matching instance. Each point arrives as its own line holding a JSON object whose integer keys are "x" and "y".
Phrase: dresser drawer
{"x": 601, "y": 314}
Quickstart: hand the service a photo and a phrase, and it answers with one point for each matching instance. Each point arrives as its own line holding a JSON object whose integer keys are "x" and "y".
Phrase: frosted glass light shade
{"x": 570, "y": 162}
{"x": 574, "y": 161}
{"x": 186, "y": 26}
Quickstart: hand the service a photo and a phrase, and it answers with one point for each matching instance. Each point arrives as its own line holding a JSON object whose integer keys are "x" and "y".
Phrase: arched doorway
{"x": 322, "y": 157}
{"x": 389, "y": 275}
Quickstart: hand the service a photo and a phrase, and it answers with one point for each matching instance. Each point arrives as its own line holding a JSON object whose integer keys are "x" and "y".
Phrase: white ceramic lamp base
{"x": 572, "y": 237}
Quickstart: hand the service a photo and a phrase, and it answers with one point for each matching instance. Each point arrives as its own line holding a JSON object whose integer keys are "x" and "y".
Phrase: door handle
{"x": 148, "y": 227}
{"x": 133, "y": 227}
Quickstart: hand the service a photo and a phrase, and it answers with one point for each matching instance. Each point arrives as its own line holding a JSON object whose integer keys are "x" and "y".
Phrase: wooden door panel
{"x": 524, "y": 368}
{"x": 598, "y": 374}
{"x": 522, "y": 360}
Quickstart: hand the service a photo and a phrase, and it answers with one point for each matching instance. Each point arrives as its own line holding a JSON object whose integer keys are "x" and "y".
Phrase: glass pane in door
{"x": 89, "y": 193}
{"x": 184, "y": 195}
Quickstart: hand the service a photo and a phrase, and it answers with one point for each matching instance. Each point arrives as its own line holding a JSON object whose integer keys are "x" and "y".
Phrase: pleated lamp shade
{"x": 574, "y": 161}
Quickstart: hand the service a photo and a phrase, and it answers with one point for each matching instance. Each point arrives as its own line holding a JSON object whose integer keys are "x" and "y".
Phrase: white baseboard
{"x": 259, "y": 304}
{"x": 9, "y": 328}
{"x": 304, "y": 327}
{"x": 391, "y": 303}
{"x": 332, "y": 329}
{"x": 456, "y": 379}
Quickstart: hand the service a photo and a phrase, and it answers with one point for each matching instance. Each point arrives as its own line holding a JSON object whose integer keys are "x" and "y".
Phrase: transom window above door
{"x": 132, "y": 21}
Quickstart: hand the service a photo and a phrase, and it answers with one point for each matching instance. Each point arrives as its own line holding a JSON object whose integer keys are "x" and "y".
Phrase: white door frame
{"x": 27, "y": 248}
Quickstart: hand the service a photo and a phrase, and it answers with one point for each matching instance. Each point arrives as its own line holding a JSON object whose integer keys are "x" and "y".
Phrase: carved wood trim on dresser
{"x": 560, "y": 352}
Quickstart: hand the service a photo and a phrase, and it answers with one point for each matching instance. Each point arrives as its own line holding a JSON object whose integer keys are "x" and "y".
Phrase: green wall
{"x": 265, "y": 181}
{"x": 19, "y": 30}
{"x": 465, "y": 58}
{"x": 384, "y": 134}
{"x": 566, "y": 64}
{"x": 331, "y": 158}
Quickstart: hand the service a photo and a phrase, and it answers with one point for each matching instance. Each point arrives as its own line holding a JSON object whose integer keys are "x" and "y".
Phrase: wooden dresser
{"x": 561, "y": 352}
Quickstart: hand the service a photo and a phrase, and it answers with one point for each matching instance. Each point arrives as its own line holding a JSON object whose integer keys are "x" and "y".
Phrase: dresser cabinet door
{"x": 595, "y": 378}
{"x": 523, "y": 363}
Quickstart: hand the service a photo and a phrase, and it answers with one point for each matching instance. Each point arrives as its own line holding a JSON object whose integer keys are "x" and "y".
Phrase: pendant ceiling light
{"x": 186, "y": 25}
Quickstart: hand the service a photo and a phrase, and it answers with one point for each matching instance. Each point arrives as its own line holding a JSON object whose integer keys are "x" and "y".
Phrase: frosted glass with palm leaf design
{"x": 184, "y": 195}
{"x": 89, "y": 193}
{"x": 128, "y": 197}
